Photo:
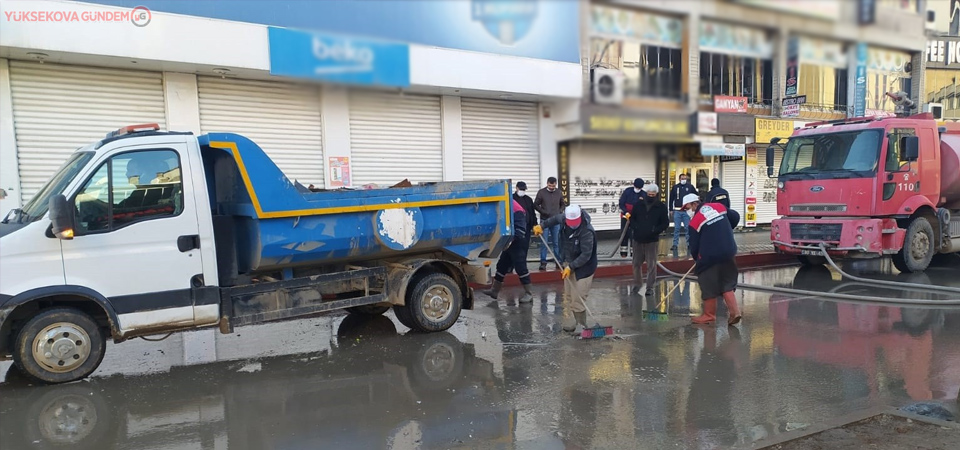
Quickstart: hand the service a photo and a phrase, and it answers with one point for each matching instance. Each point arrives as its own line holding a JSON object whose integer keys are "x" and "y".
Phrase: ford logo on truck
{"x": 816, "y": 188}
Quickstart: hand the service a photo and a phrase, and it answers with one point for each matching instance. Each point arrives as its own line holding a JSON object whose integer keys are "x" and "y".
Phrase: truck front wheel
{"x": 59, "y": 345}
{"x": 433, "y": 304}
{"x": 917, "y": 248}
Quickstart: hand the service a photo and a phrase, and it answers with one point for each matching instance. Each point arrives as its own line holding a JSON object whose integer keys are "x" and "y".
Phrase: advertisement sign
{"x": 750, "y": 197}
{"x": 707, "y": 122}
{"x": 721, "y": 149}
{"x": 646, "y": 27}
{"x": 339, "y": 169}
{"x": 793, "y": 66}
{"x": 867, "y": 12}
{"x": 727, "y": 104}
{"x": 860, "y": 87}
{"x": 537, "y": 29}
{"x": 790, "y": 111}
{"x": 338, "y": 58}
{"x": 719, "y": 37}
{"x": 623, "y": 123}
{"x": 768, "y": 129}
{"x": 798, "y": 100}
{"x": 821, "y": 9}
{"x": 563, "y": 172}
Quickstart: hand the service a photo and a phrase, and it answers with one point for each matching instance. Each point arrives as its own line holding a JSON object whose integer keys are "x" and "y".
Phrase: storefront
{"x": 617, "y": 146}
{"x": 725, "y": 144}
{"x": 942, "y": 77}
{"x": 408, "y": 113}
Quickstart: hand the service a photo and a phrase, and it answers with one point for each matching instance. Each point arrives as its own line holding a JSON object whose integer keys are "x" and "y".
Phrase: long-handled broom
{"x": 597, "y": 331}
{"x": 656, "y": 314}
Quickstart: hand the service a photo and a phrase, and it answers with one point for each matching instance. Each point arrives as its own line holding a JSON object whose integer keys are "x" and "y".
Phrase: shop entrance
{"x": 700, "y": 175}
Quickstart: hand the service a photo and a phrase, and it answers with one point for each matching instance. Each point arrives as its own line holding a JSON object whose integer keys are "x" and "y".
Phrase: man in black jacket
{"x": 718, "y": 194}
{"x": 648, "y": 220}
{"x": 578, "y": 242}
{"x": 714, "y": 250}
{"x": 681, "y": 220}
{"x": 520, "y": 195}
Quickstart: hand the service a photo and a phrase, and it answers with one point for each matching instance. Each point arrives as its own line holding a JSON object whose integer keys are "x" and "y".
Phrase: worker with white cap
{"x": 578, "y": 242}
{"x": 714, "y": 250}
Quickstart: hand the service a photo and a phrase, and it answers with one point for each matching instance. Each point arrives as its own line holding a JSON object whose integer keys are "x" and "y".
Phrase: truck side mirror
{"x": 62, "y": 218}
{"x": 770, "y": 151}
{"x": 911, "y": 147}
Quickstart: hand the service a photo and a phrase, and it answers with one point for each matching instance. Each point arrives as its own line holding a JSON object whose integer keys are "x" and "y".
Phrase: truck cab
{"x": 862, "y": 188}
{"x": 148, "y": 232}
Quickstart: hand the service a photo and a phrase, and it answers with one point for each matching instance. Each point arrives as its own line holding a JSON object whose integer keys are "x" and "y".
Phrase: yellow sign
{"x": 751, "y": 208}
{"x": 615, "y": 124}
{"x": 768, "y": 129}
{"x": 751, "y": 217}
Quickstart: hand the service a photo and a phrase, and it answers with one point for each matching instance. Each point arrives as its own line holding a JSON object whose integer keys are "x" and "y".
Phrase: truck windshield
{"x": 37, "y": 206}
{"x": 829, "y": 155}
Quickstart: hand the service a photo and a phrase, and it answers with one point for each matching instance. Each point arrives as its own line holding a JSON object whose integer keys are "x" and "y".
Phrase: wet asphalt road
{"x": 504, "y": 377}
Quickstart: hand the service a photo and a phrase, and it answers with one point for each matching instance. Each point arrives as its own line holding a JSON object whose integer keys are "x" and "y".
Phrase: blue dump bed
{"x": 278, "y": 224}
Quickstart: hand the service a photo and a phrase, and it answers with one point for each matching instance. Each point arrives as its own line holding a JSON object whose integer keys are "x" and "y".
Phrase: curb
{"x": 619, "y": 270}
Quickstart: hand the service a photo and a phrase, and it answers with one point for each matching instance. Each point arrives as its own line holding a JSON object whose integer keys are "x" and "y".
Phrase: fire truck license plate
{"x": 810, "y": 252}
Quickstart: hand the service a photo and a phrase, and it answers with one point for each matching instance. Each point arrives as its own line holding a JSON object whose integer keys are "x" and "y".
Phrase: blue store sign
{"x": 507, "y": 20}
{"x": 860, "y": 87}
{"x": 338, "y": 59}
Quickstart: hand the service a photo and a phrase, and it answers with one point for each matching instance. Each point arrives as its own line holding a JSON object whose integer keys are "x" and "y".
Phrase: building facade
{"x": 700, "y": 87}
{"x": 339, "y": 93}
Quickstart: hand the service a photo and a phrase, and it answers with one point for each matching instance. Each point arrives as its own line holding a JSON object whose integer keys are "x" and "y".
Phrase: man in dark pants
{"x": 681, "y": 220}
{"x": 714, "y": 251}
{"x": 549, "y": 203}
{"x": 579, "y": 243}
{"x": 520, "y": 195}
{"x": 628, "y": 198}
{"x": 718, "y": 194}
{"x": 515, "y": 257}
{"x": 647, "y": 221}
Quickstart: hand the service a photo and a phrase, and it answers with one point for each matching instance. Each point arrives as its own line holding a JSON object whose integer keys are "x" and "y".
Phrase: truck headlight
{"x": 780, "y": 185}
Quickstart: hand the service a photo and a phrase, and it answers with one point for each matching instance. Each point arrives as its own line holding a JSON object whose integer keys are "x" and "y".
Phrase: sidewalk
{"x": 748, "y": 242}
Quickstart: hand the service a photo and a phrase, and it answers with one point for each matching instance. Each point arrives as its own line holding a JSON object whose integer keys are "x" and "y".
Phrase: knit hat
{"x": 638, "y": 183}
{"x": 521, "y": 186}
{"x": 572, "y": 214}
{"x": 690, "y": 198}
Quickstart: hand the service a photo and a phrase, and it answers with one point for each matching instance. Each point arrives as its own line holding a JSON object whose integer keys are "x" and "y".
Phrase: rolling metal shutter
{"x": 767, "y": 210}
{"x": 600, "y": 171}
{"x": 282, "y": 118}
{"x": 734, "y": 179}
{"x": 57, "y": 109}
{"x": 501, "y": 139}
{"x": 393, "y": 137}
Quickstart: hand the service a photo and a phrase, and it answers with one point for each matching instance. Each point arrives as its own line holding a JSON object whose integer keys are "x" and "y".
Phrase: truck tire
{"x": 433, "y": 304}
{"x": 59, "y": 345}
{"x": 812, "y": 260}
{"x": 368, "y": 310}
{"x": 917, "y": 248}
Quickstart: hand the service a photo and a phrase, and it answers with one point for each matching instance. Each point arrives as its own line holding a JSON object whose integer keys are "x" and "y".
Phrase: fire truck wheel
{"x": 917, "y": 248}
{"x": 59, "y": 345}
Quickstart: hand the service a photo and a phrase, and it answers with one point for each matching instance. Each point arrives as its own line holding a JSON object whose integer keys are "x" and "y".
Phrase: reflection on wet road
{"x": 504, "y": 377}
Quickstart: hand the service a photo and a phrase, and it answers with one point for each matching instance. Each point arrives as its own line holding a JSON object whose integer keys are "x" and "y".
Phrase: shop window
{"x": 649, "y": 70}
{"x": 825, "y": 87}
{"x": 736, "y": 76}
{"x": 129, "y": 188}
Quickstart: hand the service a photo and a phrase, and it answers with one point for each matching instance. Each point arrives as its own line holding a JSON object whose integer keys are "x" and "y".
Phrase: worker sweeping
{"x": 514, "y": 258}
{"x": 714, "y": 250}
{"x": 578, "y": 242}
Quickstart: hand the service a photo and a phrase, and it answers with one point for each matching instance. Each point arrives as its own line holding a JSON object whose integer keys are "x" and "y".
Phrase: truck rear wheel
{"x": 59, "y": 345}
{"x": 433, "y": 304}
{"x": 917, "y": 248}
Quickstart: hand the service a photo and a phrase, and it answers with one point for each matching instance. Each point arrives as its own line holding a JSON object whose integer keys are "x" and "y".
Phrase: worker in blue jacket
{"x": 681, "y": 218}
{"x": 628, "y": 198}
{"x": 714, "y": 252}
{"x": 514, "y": 258}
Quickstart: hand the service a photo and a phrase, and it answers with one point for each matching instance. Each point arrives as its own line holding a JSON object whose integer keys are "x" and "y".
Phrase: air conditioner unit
{"x": 935, "y": 108}
{"x": 607, "y": 86}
